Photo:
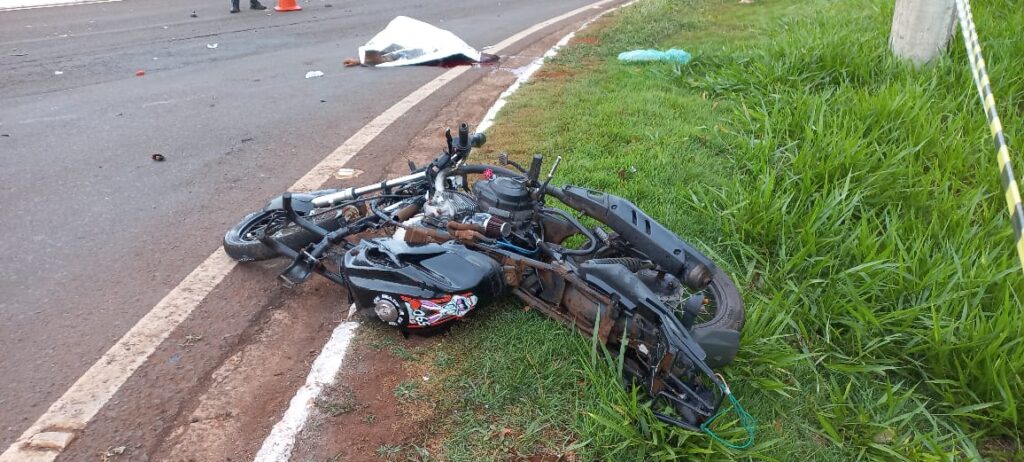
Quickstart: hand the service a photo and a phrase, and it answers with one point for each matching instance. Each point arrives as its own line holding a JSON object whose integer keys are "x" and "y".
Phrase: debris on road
{"x": 58, "y": 72}
{"x": 158, "y": 157}
{"x": 193, "y": 15}
{"x": 673, "y": 55}
{"x": 350, "y": 62}
{"x": 112, "y": 452}
{"x": 312, "y": 74}
{"x": 346, "y": 173}
{"x": 190, "y": 340}
{"x": 140, "y": 73}
{"x": 407, "y": 41}
{"x": 212, "y": 46}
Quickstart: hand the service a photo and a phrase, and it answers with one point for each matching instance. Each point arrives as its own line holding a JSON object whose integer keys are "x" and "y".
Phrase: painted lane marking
{"x": 58, "y": 426}
{"x": 525, "y": 75}
{"x": 278, "y": 445}
{"x": 16, "y": 5}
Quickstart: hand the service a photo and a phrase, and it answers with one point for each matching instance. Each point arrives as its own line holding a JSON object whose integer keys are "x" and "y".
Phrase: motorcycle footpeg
{"x": 300, "y": 270}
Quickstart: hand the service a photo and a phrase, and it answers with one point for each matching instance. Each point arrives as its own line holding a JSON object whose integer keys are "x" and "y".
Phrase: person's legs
{"x": 234, "y": 6}
{"x": 256, "y": 5}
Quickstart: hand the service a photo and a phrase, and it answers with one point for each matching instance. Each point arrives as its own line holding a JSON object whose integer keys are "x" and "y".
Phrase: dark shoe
{"x": 255, "y": 5}
{"x": 234, "y": 6}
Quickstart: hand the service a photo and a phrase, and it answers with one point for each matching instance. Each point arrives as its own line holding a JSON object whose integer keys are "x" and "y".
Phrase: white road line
{"x": 60, "y": 424}
{"x": 15, "y": 5}
{"x": 532, "y": 68}
{"x": 278, "y": 445}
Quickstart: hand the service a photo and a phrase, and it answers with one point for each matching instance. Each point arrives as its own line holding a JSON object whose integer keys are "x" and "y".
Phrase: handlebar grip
{"x": 535, "y": 165}
{"x": 463, "y": 134}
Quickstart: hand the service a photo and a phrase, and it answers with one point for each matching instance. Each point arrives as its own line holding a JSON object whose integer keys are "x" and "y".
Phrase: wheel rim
{"x": 268, "y": 223}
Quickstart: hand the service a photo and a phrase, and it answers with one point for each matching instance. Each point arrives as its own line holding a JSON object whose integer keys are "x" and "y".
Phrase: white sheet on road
{"x": 407, "y": 41}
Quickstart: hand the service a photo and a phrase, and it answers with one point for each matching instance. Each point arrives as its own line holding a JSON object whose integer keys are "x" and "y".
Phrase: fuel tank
{"x": 419, "y": 287}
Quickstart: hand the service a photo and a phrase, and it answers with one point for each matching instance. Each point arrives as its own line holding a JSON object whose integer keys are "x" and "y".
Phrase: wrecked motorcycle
{"x": 427, "y": 248}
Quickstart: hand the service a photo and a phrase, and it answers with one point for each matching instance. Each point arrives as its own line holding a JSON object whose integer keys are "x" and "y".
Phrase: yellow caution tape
{"x": 980, "y": 73}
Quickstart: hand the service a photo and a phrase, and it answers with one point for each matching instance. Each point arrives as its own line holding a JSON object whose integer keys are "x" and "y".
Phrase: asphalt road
{"x": 94, "y": 232}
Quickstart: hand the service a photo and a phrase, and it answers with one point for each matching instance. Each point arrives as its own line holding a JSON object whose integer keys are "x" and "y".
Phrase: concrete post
{"x": 921, "y": 29}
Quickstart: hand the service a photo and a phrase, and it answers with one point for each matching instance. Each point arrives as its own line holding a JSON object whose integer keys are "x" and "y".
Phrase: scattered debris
{"x": 212, "y": 45}
{"x": 407, "y": 41}
{"x": 19, "y": 54}
{"x": 746, "y": 1}
{"x": 246, "y": 140}
{"x": 193, "y": 15}
{"x": 311, "y": 74}
{"x": 5, "y": 135}
{"x": 140, "y": 73}
{"x": 190, "y": 339}
{"x": 347, "y": 173}
{"x": 674, "y": 55}
{"x": 112, "y": 452}
{"x": 158, "y": 157}
{"x": 350, "y": 62}
{"x": 58, "y": 72}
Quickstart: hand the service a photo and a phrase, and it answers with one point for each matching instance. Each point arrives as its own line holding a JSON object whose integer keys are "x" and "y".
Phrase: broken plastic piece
{"x": 158, "y": 157}
{"x": 140, "y": 73}
{"x": 407, "y": 41}
{"x": 673, "y": 55}
{"x": 212, "y": 45}
{"x": 311, "y": 74}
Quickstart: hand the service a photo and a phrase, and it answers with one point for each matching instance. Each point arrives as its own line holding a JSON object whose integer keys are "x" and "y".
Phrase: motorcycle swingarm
{"x": 642, "y": 232}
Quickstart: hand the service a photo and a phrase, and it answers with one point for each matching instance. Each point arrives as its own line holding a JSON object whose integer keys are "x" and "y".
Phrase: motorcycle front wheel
{"x": 242, "y": 243}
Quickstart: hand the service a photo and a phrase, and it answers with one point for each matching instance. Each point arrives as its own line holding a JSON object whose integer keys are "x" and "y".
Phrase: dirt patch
{"x": 589, "y": 40}
{"x": 376, "y": 408}
{"x": 553, "y": 74}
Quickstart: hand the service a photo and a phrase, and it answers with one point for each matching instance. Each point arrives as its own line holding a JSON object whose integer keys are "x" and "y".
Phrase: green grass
{"x": 854, "y": 199}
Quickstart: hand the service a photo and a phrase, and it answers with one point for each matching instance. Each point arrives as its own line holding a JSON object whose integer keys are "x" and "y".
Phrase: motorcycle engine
{"x": 449, "y": 205}
{"x": 506, "y": 198}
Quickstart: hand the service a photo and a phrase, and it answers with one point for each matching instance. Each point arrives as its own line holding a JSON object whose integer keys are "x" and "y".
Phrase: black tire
{"x": 240, "y": 244}
{"x": 729, "y": 310}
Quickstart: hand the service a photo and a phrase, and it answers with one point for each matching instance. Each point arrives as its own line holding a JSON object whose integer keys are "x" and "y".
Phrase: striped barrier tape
{"x": 980, "y": 74}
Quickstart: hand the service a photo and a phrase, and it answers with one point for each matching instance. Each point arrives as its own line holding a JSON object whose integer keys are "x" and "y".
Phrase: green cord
{"x": 746, "y": 420}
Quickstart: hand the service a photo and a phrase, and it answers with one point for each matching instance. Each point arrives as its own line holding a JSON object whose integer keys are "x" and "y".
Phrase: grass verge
{"x": 854, "y": 199}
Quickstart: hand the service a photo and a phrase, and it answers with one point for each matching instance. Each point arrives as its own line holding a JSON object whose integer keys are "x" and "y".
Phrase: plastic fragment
{"x": 58, "y": 72}
{"x": 672, "y": 55}
{"x": 212, "y": 45}
{"x": 312, "y": 74}
{"x": 140, "y": 73}
{"x": 158, "y": 157}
